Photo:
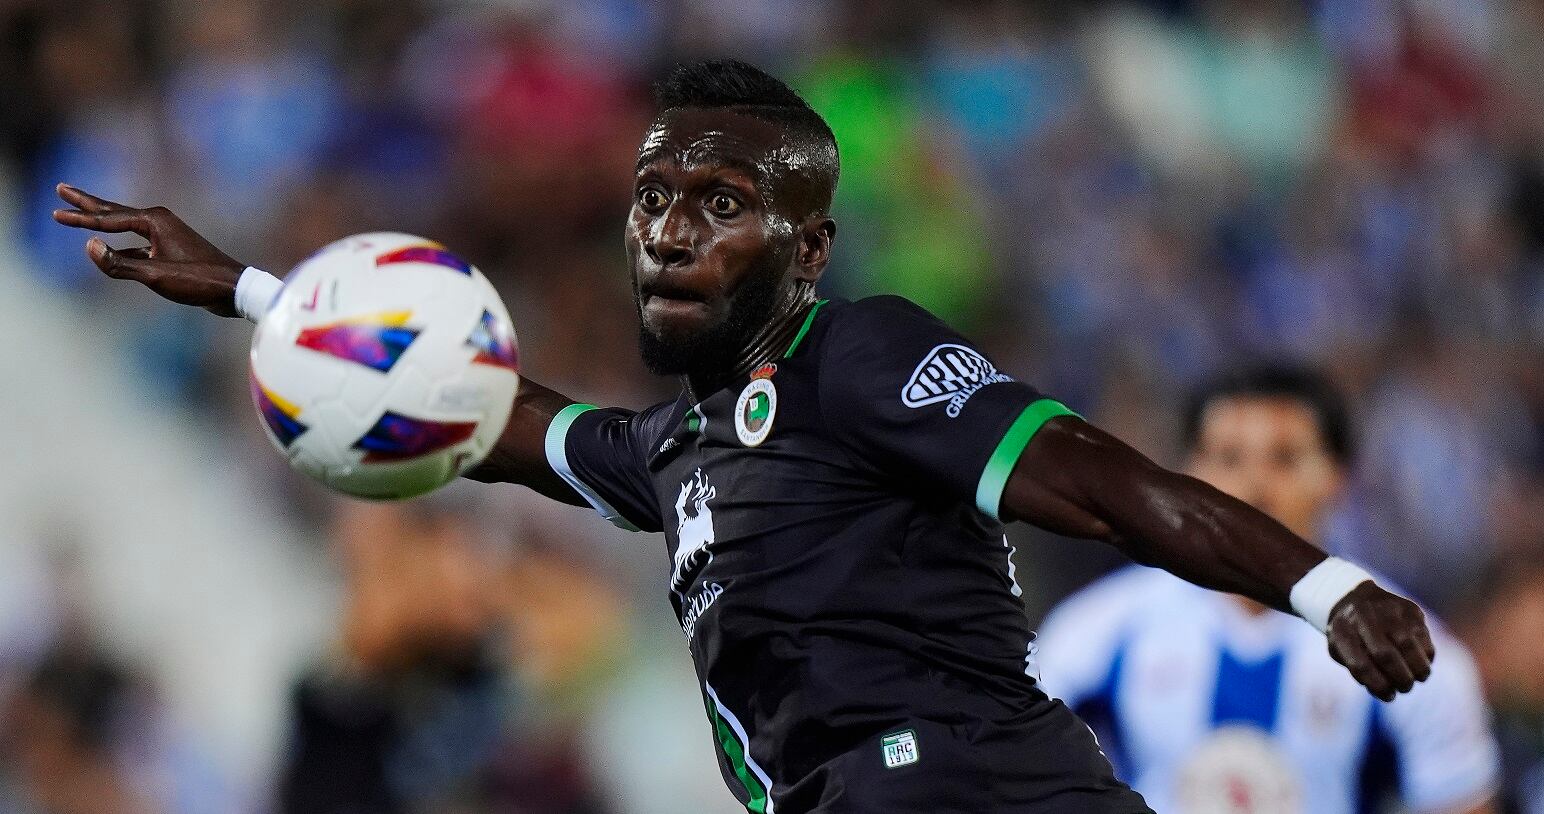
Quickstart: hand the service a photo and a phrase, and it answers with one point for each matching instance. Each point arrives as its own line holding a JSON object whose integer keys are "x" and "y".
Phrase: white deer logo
{"x": 694, "y": 531}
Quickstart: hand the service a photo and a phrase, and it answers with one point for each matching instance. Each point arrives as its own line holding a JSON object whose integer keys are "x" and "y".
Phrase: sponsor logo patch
{"x": 951, "y": 373}
{"x": 900, "y": 749}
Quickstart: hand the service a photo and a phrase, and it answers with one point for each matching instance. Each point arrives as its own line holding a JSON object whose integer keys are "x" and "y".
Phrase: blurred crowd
{"x": 1118, "y": 199}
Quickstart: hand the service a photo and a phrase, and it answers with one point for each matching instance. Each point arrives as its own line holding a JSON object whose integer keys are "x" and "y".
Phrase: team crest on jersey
{"x": 754, "y": 412}
{"x": 694, "y": 530}
{"x": 951, "y": 373}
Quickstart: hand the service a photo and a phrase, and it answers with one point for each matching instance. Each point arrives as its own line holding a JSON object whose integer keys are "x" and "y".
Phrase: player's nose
{"x": 669, "y": 241}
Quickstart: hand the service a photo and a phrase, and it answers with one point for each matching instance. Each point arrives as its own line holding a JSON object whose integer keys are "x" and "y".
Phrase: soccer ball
{"x": 386, "y": 366}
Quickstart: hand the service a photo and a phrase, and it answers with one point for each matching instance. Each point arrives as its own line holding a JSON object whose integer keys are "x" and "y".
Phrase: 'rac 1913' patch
{"x": 900, "y": 749}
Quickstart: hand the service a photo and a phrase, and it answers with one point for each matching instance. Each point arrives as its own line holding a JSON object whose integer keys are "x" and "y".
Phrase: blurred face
{"x": 710, "y": 251}
{"x": 1268, "y": 452}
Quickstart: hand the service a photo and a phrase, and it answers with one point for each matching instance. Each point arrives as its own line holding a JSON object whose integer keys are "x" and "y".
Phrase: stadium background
{"x": 1118, "y": 199}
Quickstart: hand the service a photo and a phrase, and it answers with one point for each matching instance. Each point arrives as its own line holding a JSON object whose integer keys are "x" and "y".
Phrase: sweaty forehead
{"x": 692, "y": 137}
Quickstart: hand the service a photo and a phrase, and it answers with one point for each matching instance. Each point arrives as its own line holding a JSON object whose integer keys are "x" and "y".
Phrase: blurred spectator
{"x": 83, "y": 734}
{"x": 1507, "y": 610}
{"x": 418, "y": 712}
{"x": 927, "y": 244}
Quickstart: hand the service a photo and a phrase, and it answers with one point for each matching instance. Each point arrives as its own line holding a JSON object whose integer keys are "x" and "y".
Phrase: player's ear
{"x": 815, "y": 236}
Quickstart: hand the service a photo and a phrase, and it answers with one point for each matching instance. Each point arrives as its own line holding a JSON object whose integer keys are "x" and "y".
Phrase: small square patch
{"x": 900, "y": 749}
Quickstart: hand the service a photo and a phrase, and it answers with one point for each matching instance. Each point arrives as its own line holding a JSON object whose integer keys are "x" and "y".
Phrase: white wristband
{"x": 255, "y": 291}
{"x": 1317, "y": 593}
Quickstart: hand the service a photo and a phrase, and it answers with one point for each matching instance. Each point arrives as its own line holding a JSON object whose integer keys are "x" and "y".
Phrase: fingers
{"x": 1389, "y": 660}
{"x": 85, "y": 201}
{"x": 1423, "y": 641}
{"x": 128, "y": 220}
{"x": 128, "y": 264}
{"x": 1383, "y": 640}
{"x": 102, "y": 215}
{"x": 1414, "y": 655}
{"x": 1362, "y": 668}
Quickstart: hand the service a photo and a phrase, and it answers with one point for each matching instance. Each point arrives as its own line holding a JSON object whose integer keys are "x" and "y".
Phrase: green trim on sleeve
{"x": 994, "y": 479}
{"x": 805, "y": 328}
{"x": 558, "y": 429}
{"x": 557, "y": 458}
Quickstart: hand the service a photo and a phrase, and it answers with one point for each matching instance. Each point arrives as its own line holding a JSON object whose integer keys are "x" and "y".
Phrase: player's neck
{"x": 765, "y": 345}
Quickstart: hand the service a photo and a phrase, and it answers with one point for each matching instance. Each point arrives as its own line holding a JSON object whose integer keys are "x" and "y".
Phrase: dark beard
{"x": 713, "y": 352}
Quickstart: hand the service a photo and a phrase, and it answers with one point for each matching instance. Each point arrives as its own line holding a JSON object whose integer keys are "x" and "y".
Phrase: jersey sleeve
{"x": 599, "y": 452}
{"x": 1441, "y": 732}
{"x": 913, "y": 398}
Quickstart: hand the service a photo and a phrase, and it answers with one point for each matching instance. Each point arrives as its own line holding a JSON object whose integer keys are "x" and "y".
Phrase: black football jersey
{"x": 838, "y": 568}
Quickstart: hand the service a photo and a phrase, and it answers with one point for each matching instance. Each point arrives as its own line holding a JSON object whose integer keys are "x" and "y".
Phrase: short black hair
{"x": 745, "y": 88}
{"x": 1299, "y": 384}
{"x": 724, "y": 83}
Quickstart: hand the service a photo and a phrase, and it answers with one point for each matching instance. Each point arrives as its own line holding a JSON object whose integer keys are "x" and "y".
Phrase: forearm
{"x": 520, "y": 456}
{"x": 1078, "y": 480}
{"x": 1196, "y": 532}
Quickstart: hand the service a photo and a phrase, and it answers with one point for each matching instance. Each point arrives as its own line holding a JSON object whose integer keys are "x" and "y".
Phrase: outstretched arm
{"x": 182, "y": 266}
{"x": 1077, "y": 480}
{"x": 520, "y": 456}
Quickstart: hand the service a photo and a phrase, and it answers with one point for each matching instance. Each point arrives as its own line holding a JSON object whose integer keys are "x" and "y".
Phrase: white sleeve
{"x": 1441, "y": 730}
{"x": 1076, "y": 644}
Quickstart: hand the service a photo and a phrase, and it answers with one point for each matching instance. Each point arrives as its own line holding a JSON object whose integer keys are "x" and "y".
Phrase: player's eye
{"x": 652, "y": 199}
{"x": 724, "y": 205}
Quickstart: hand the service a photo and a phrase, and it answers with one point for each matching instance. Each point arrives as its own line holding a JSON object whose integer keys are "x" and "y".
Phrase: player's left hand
{"x": 1382, "y": 639}
{"x": 179, "y": 264}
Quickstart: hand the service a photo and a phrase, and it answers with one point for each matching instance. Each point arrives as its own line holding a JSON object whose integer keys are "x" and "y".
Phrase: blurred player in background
{"x": 832, "y": 483}
{"x": 455, "y": 675}
{"x": 1214, "y": 703}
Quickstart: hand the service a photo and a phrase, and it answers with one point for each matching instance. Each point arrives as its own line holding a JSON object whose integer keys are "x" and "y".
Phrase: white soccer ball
{"x": 386, "y": 367}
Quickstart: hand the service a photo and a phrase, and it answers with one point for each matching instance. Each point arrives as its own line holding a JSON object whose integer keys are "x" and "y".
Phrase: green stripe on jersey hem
{"x": 757, "y": 796}
{"x": 556, "y": 447}
{"x": 736, "y": 745}
{"x": 805, "y": 328}
{"x": 994, "y": 479}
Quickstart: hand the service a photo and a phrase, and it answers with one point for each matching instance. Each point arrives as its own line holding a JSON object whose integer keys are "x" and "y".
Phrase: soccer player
{"x": 832, "y": 484}
{"x": 1213, "y": 703}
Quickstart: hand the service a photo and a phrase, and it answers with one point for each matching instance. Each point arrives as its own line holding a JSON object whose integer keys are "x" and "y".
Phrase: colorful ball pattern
{"x": 386, "y": 367}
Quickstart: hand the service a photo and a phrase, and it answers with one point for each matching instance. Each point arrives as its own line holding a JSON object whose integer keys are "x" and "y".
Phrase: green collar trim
{"x": 809, "y": 320}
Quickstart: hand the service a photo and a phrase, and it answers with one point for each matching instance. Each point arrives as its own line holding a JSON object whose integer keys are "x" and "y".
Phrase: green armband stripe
{"x": 994, "y": 479}
{"x": 557, "y": 457}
